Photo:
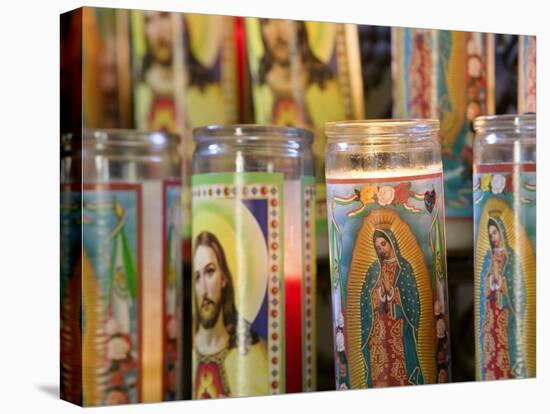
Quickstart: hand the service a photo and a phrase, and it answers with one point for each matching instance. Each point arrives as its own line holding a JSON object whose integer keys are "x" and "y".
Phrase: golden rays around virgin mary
{"x": 409, "y": 301}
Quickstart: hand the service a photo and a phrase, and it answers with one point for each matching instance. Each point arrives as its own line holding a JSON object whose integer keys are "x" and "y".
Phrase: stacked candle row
{"x": 253, "y": 259}
{"x": 385, "y": 199}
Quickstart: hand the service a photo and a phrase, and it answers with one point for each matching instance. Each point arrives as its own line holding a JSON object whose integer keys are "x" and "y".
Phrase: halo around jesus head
{"x": 205, "y": 36}
{"x": 321, "y": 38}
{"x": 244, "y": 246}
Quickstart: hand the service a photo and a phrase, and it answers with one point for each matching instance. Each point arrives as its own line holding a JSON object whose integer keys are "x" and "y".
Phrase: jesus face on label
{"x": 209, "y": 283}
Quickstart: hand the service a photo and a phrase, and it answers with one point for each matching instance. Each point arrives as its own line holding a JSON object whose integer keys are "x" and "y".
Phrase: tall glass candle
{"x": 253, "y": 260}
{"x": 127, "y": 272}
{"x": 388, "y": 257}
{"x": 505, "y": 246}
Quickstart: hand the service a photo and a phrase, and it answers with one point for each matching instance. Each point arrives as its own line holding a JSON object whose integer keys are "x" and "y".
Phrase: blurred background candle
{"x": 253, "y": 229}
{"x": 126, "y": 198}
{"x": 527, "y": 74}
{"x": 388, "y": 255}
{"x": 303, "y": 74}
{"x": 505, "y": 246}
{"x": 447, "y": 75}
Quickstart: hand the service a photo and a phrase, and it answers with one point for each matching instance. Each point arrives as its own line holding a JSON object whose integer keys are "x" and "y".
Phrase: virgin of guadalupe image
{"x": 505, "y": 299}
{"x": 390, "y": 309}
{"x": 230, "y": 358}
{"x": 502, "y": 306}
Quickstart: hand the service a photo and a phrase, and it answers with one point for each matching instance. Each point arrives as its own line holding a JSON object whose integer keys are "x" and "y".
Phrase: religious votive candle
{"x": 120, "y": 267}
{"x": 505, "y": 246}
{"x": 387, "y": 251}
{"x": 253, "y": 261}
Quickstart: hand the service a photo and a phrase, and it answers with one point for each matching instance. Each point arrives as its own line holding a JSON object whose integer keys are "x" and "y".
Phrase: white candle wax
{"x": 385, "y": 173}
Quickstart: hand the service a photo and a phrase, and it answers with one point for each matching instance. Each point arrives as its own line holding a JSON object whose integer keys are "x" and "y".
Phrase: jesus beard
{"x": 208, "y": 312}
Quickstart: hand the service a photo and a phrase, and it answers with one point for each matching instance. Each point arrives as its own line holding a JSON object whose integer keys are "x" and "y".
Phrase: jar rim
{"x": 129, "y": 138}
{"x": 250, "y": 132}
{"x": 381, "y": 128}
{"x": 507, "y": 122}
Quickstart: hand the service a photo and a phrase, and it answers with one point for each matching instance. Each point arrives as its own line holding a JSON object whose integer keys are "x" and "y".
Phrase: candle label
{"x": 111, "y": 294}
{"x": 238, "y": 292}
{"x": 70, "y": 289}
{"x": 309, "y": 286}
{"x": 172, "y": 287}
{"x": 444, "y": 74}
{"x": 389, "y": 281}
{"x": 505, "y": 271}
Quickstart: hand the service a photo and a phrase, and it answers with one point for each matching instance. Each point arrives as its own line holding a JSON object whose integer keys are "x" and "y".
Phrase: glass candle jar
{"x": 253, "y": 255}
{"x": 505, "y": 246}
{"x": 128, "y": 271}
{"x": 388, "y": 258}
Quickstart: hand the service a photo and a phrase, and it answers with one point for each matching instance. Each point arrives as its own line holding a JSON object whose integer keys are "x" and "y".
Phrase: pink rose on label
{"x": 112, "y": 327}
{"x": 473, "y": 110}
{"x": 340, "y": 342}
{"x": 471, "y": 48}
{"x": 498, "y": 183}
{"x": 437, "y": 308}
{"x": 474, "y": 67}
{"x": 116, "y": 397}
{"x": 385, "y": 195}
{"x": 118, "y": 348}
{"x": 440, "y": 328}
{"x": 340, "y": 320}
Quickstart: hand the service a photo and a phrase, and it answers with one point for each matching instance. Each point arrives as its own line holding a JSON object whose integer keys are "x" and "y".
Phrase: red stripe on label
{"x": 489, "y": 168}
{"x": 382, "y": 179}
{"x": 293, "y": 333}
